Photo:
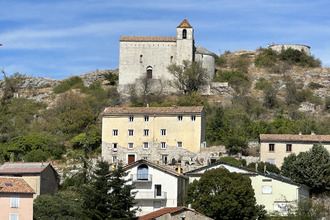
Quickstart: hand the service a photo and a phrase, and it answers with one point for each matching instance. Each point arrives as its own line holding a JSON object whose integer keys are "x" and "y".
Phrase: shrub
{"x": 327, "y": 103}
{"x": 267, "y": 58}
{"x": 280, "y": 67}
{"x": 262, "y": 84}
{"x": 314, "y": 85}
{"x": 220, "y": 60}
{"x": 74, "y": 82}
{"x": 237, "y": 79}
{"x": 111, "y": 77}
{"x": 242, "y": 63}
{"x": 300, "y": 58}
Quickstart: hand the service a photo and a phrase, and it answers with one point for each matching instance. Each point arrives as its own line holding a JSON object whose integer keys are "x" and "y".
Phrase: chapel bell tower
{"x": 185, "y": 42}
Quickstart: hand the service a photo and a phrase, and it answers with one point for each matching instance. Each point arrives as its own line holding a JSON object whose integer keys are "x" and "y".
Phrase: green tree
{"x": 220, "y": 194}
{"x": 63, "y": 205}
{"x": 107, "y": 196}
{"x": 92, "y": 138}
{"x": 189, "y": 77}
{"x": 231, "y": 160}
{"x": 237, "y": 79}
{"x": 311, "y": 168}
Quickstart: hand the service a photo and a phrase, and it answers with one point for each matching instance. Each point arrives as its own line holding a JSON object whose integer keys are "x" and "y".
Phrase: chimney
{"x": 265, "y": 168}
{"x": 147, "y": 105}
{"x": 312, "y": 133}
{"x": 179, "y": 169}
{"x": 256, "y": 167}
{"x": 300, "y": 133}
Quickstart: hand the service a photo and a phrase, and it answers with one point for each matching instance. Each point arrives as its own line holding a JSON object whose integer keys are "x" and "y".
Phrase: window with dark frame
{"x": 163, "y": 132}
{"x": 163, "y": 145}
{"x": 130, "y": 145}
{"x": 184, "y": 34}
{"x": 146, "y": 132}
{"x": 145, "y": 145}
{"x": 146, "y": 118}
{"x": 115, "y": 132}
{"x": 193, "y": 118}
{"x": 130, "y": 132}
{"x": 271, "y": 147}
{"x": 289, "y": 148}
{"x": 180, "y": 117}
{"x": 131, "y": 118}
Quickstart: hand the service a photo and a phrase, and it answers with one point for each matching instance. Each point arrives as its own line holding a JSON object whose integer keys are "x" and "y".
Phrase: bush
{"x": 231, "y": 160}
{"x": 267, "y": 58}
{"x": 242, "y": 63}
{"x": 220, "y": 60}
{"x": 280, "y": 67}
{"x": 263, "y": 84}
{"x": 313, "y": 85}
{"x": 36, "y": 156}
{"x": 300, "y": 58}
{"x": 237, "y": 79}
{"x": 327, "y": 103}
{"x": 74, "y": 82}
{"x": 111, "y": 77}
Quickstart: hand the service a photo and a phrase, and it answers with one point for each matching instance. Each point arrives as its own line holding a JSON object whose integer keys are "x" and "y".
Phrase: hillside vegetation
{"x": 271, "y": 92}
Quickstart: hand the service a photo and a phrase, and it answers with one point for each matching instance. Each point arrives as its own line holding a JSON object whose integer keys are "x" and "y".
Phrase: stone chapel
{"x": 143, "y": 56}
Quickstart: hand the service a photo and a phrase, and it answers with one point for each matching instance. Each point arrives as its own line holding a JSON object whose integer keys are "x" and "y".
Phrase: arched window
{"x": 149, "y": 72}
{"x": 141, "y": 56}
{"x": 171, "y": 59}
{"x": 184, "y": 34}
{"x": 142, "y": 172}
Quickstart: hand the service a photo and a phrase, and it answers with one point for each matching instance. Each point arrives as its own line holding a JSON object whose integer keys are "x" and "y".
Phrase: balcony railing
{"x": 141, "y": 177}
{"x": 150, "y": 195}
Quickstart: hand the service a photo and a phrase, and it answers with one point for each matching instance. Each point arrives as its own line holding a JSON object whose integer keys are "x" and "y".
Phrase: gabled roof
{"x": 155, "y": 165}
{"x": 14, "y": 185}
{"x": 185, "y": 24}
{"x": 163, "y": 211}
{"x": 153, "y": 110}
{"x": 147, "y": 39}
{"x": 202, "y": 50}
{"x": 246, "y": 172}
{"x": 23, "y": 167}
{"x": 294, "y": 137}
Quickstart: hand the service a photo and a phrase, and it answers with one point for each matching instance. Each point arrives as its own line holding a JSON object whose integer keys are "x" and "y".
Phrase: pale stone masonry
{"x": 145, "y": 56}
{"x": 162, "y": 134}
{"x": 275, "y": 147}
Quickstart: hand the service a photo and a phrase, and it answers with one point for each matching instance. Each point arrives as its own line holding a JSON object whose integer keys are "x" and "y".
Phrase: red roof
{"x": 294, "y": 137}
{"x": 14, "y": 185}
{"x": 164, "y": 211}
{"x": 22, "y": 167}
{"x": 154, "y": 110}
{"x": 185, "y": 24}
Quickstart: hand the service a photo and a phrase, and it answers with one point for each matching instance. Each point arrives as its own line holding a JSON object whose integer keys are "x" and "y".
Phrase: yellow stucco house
{"x": 275, "y": 147}
{"x": 154, "y": 133}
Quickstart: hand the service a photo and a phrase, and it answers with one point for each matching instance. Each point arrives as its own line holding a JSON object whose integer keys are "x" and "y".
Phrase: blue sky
{"x": 62, "y": 38}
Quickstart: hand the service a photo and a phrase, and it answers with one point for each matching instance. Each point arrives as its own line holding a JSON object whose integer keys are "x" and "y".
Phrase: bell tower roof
{"x": 185, "y": 24}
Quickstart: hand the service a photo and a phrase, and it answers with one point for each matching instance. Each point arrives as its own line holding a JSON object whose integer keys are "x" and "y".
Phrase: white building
{"x": 142, "y": 56}
{"x": 156, "y": 186}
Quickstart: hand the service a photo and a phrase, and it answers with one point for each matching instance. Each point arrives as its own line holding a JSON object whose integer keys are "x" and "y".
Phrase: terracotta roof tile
{"x": 147, "y": 39}
{"x": 293, "y": 137}
{"x": 164, "y": 211}
{"x": 14, "y": 185}
{"x": 185, "y": 24}
{"x": 22, "y": 167}
{"x": 154, "y": 110}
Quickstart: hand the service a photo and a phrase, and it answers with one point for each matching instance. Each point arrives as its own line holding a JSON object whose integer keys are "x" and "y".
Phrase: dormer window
{"x": 184, "y": 34}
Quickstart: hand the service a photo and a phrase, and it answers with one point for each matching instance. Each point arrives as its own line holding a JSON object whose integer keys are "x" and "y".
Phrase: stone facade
{"x": 149, "y": 57}
{"x": 279, "y": 47}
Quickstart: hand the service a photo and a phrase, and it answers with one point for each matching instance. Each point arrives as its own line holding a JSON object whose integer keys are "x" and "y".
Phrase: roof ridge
{"x": 185, "y": 24}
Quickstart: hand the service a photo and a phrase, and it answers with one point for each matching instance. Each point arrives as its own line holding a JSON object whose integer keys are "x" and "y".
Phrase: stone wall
{"x": 279, "y": 47}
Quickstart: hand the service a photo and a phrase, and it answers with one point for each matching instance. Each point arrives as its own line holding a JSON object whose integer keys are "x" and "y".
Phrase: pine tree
{"x": 122, "y": 200}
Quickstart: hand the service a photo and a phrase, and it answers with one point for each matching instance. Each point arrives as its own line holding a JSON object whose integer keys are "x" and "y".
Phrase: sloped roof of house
{"x": 294, "y": 138}
{"x": 14, "y": 185}
{"x": 153, "y": 110}
{"x": 146, "y": 39}
{"x": 185, "y": 24}
{"x": 247, "y": 172}
{"x": 202, "y": 50}
{"x": 155, "y": 165}
{"x": 23, "y": 167}
{"x": 164, "y": 211}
